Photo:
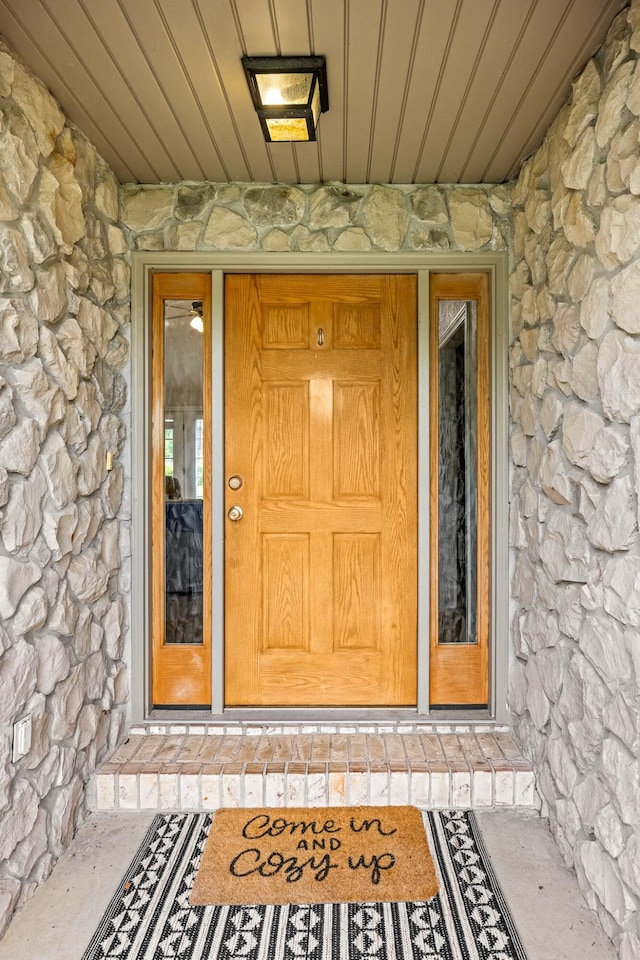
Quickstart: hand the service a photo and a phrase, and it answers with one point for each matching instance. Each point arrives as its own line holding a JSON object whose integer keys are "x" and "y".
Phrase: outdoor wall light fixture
{"x": 289, "y": 94}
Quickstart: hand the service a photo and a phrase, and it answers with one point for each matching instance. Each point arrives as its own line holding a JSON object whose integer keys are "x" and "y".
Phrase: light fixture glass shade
{"x": 289, "y": 94}
{"x": 278, "y": 89}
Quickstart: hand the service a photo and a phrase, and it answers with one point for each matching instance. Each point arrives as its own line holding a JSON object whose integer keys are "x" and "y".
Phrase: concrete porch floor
{"x": 552, "y": 918}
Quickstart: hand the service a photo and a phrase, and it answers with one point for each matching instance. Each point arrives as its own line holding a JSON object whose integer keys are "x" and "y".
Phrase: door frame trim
{"x": 144, "y": 265}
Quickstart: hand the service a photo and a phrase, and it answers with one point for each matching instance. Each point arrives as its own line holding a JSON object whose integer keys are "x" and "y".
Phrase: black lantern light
{"x": 289, "y": 94}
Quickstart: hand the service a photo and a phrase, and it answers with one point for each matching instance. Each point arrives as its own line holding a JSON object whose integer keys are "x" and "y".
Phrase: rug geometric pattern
{"x": 150, "y": 918}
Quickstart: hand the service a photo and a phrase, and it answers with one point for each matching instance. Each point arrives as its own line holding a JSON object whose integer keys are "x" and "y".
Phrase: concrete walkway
{"x": 552, "y": 918}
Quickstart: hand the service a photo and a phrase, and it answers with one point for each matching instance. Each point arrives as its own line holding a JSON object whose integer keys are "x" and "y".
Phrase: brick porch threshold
{"x": 205, "y": 766}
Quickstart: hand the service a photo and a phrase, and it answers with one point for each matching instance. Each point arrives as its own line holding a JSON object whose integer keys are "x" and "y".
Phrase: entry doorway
{"x": 320, "y": 459}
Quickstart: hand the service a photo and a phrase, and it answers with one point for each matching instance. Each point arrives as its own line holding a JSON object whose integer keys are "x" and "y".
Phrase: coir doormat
{"x": 315, "y": 855}
{"x": 150, "y": 916}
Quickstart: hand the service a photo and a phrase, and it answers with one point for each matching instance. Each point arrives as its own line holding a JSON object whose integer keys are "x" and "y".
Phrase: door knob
{"x": 235, "y": 513}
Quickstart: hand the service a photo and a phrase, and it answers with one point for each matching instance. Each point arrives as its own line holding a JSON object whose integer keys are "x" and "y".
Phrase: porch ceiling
{"x": 449, "y": 91}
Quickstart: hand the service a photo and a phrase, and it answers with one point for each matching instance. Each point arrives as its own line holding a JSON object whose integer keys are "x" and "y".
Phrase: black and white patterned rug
{"x": 150, "y": 917}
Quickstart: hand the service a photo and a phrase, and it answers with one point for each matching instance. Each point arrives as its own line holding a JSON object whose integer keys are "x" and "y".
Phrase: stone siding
{"x": 64, "y": 291}
{"x": 575, "y": 404}
{"x": 316, "y": 219}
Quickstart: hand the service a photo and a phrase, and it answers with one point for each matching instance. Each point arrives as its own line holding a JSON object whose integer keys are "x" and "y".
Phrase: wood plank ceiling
{"x": 420, "y": 91}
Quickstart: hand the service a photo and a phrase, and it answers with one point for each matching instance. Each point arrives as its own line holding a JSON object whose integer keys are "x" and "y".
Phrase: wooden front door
{"x": 321, "y": 491}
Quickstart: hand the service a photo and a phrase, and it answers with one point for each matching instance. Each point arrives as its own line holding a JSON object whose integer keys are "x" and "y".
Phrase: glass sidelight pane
{"x": 183, "y": 458}
{"x": 457, "y": 471}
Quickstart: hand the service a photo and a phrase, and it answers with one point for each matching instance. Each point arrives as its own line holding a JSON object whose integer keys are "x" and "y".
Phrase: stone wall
{"x": 64, "y": 289}
{"x": 316, "y": 219}
{"x": 575, "y": 403}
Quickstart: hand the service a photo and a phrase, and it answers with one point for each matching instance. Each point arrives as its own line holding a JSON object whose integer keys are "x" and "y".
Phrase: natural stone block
{"x": 629, "y": 863}
{"x": 616, "y": 47}
{"x": 621, "y": 774}
{"x": 612, "y": 103}
{"x": 565, "y": 551}
{"x": 608, "y": 456}
{"x": 622, "y": 589}
{"x": 18, "y": 679}
{"x": 579, "y": 225}
{"x": 566, "y": 329}
{"x": 619, "y": 376}
{"x": 101, "y": 280}
{"x": 537, "y": 210}
{"x": 106, "y": 197}
{"x": 80, "y": 353}
{"x": 584, "y": 376}
{"x": 41, "y": 110}
{"x": 59, "y": 470}
{"x": 537, "y": 701}
{"x": 429, "y": 204}
{"x": 113, "y": 624}
{"x": 18, "y": 822}
{"x": 97, "y": 324}
{"x": 8, "y": 416}
{"x": 618, "y": 238}
{"x": 87, "y": 725}
{"x": 145, "y": 208}
{"x": 553, "y": 475}
{"x": 39, "y": 396}
{"x": 550, "y": 413}
{"x": 562, "y": 767}
{"x": 19, "y": 448}
{"x": 28, "y": 851}
{"x": 62, "y": 371}
{"x": 18, "y": 332}
{"x": 606, "y": 883}
{"x": 614, "y": 525}
{"x": 90, "y": 520}
{"x": 581, "y": 277}
{"x": 309, "y": 241}
{"x": 66, "y": 703}
{"x": 580, "y": 426}
{"x": 602, "y": 642}
{"x": 386, "y": 217}
{"x": 88, "y": 576}
{"x": 19, "y": 155}
{"x": 590, "y": 796}
{"x": 227, "y": 230}
{"x": 16, "y": 275}
{"x": 91, "y": 466}
{"x": 22, "y": 518}
{"x": 65, "y": 808}
{"x": 281, "y": 205}
{"x": 276, "y": 241}
{"x": 121, "y": 686}
{"x": 633, "y": 98}
{"x": 31, "y": 613}
{"x": 623, "y": 719}
{"x": 334, "y": 205}
{"x": 95, "y": 675}
{"x": 192, "y": 200}
{"x": 594, "y": 310}
{"x": 60, "y": 202}
{"x": 584, "y": 102}
{"x": 7, "y": 72}
{"x": 623, "y": 298}
{"x": 352, "y": 239}
{"x": 560, "y": 259}
{"x": 622, "y": 158}
{"x": 110, "y": 387}
{"x": 578, "y": 167}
